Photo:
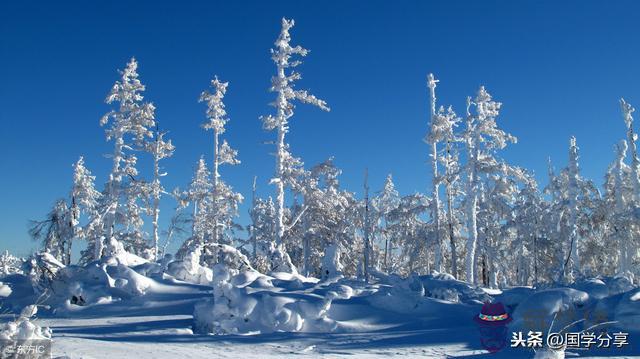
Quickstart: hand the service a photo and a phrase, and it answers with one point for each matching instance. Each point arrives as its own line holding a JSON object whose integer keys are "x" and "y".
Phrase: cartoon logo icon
{"x": 492, "y": 322}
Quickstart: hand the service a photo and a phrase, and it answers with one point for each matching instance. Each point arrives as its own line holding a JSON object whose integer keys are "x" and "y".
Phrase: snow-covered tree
{"x": 367, "y": 229}
{"x": 574, "y": 200}
{"x": 386, "y": 201}
{"x": 449, "y": 159}
{"x": 261, "y": 230}
{"x": 85, "y": 200}
{"x": 437, "y": 132}
{"x": 222, "y": 154}
{"x": 407, "y": 250}
{"x": 572, "y": 263}
{"x": 283, "y": 85}
{"x": 196, "y": 195}
{"x": 482, "y": 139}
{"x": 496, "y": 216}
{"x": 221, "y": 213}
{"x": 328, "y": 219}
{"x": 529, "y": 216}
{"x": 441, "y": 131}
{"x": 627, "y": 113}
{"x": 128, "y": 125}
{"x": 159, "y": 149}
{"x": 56, "y": 231}
{"x": 617, "y": 199}
{"x": 630, "y": 208}
{"x": 10, "y": 264}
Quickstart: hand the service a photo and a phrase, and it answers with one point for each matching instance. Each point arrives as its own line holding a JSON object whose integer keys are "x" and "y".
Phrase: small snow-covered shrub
{"x": 331, "y": 266}
{"x": 279, "y": 261}
{"x": 42, "y": 269}
{"x": 448, "y": 294}
{"x": 10, "y": 264}
{"x": 228, "y": 306}
{"x": 23, "y": 331}
{"x": 230, "y": 257}
{"x": 116, "y": 250}
{"x": 403, "y": 295}
{"x": 189, "y": 269}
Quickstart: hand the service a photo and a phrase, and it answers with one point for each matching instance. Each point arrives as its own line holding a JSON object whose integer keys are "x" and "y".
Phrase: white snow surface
{"x": 144, "y": 313}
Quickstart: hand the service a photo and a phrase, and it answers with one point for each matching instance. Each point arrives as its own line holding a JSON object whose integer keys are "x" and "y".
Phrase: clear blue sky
{"x": 558, "y": 67}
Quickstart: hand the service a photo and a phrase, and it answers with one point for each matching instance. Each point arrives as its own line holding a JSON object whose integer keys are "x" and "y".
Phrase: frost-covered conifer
{"x": 159, "y": 149}
{"x": 441, "y": 131}
{"x": 367, "y": 229}
{"x": 627, "y": 112}
{"x": 261, "y": 230}
{"x": 407, "y": 249}
{"x": 496, "y": 216}
{"x": 573, "y": 201}
{"x": 529, "y": 217}
{"x": 572, "y": 263}
{"x": 482, "y": 139}
{"x": 437, "y": 132}
{"x": 283, "y": 85}
{"x": 328, "y": 219}
{"x": 197, "y": 194}
{"x": 616, "y": 204}
{"x": 224, "y": 202}
{"x": 386, "y": 201}
{"x": 632, "y": 230}
{"x": 128, "y": 125}
{"x": 449, "y": 158}
{"x": 85, "y": 200}
{"x": 10, "y": 264}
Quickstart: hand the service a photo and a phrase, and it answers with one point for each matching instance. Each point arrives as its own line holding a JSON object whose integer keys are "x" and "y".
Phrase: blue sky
{"x": 558, "y": 67}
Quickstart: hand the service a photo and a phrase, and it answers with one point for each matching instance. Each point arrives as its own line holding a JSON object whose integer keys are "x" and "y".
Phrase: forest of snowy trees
{"x": 481, "y": 219}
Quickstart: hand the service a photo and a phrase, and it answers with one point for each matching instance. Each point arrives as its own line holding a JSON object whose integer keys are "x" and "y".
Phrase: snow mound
{"x": 620, "y": 284}
{"x": 67, "y": 289}
{"x": 5, "y": 290}
{"x": 444, "y": 286}
{"x": 189, "y": 269}
{"x": 627, "y": 312}
{"x": 129, "y": 280}
{"x": 538, "y": 310}
{"x": 416, "y": 294}
{"x": 595, "y": 287}
{"x": 248, "y": 303}
{"x": 116, "y": 250}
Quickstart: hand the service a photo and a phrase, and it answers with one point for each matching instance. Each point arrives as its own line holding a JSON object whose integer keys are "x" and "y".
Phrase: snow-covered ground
{"x": 151, "y": 315}
{"x": 160, "y": 326}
